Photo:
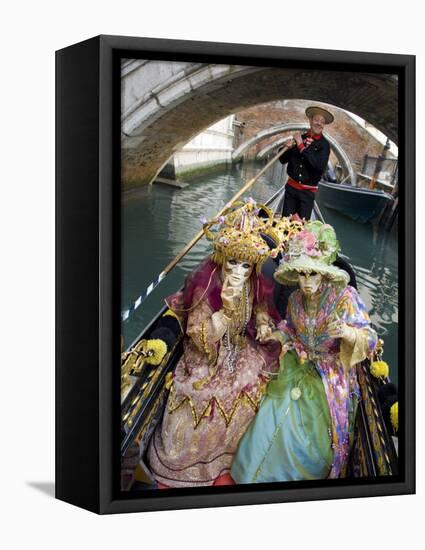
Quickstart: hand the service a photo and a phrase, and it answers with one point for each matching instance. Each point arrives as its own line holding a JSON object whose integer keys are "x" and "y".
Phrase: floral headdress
{"x": 313, "y": 249}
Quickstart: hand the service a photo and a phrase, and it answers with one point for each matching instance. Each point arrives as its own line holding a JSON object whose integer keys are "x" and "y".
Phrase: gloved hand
{"x": 264, "y": 332}
{"x": 340, "y": 329}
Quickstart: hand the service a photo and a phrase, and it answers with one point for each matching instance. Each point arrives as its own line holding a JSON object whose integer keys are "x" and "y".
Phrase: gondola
{"x": 144, "y": 391}
{"x": 360, "y": 204}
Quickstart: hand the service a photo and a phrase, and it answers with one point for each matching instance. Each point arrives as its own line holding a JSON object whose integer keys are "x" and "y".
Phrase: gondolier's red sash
{"x": 297, "y": 185}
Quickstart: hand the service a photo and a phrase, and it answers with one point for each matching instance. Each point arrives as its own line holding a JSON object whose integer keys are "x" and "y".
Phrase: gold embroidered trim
{"x": 204, "y": 341}
{"x": 211, "y": 354}
{"x": 242, "y": 398}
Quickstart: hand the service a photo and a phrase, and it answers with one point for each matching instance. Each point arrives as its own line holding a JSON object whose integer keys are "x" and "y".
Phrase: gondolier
{"x": 307, "y": 159}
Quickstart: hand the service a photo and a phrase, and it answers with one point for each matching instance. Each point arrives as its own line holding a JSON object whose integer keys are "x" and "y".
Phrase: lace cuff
{"x": 351, "y": 354}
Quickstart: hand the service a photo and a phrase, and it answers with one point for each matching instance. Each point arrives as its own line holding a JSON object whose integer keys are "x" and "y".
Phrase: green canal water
{"x": 157, "y": 222}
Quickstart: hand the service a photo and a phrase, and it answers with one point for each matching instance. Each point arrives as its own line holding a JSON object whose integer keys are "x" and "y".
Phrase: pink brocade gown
{"x": 202, "y": 425}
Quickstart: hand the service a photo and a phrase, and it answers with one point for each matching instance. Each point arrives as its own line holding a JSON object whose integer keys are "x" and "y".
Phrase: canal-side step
{"x": 173, "y": 183}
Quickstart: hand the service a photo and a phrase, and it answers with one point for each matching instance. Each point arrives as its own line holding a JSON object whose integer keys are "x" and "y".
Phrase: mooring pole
{"x": 378, "y": 165}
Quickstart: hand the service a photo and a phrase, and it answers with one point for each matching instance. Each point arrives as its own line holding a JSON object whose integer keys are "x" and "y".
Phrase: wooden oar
{"x": 231, "y": 201}
{"x": 198, "y": 236}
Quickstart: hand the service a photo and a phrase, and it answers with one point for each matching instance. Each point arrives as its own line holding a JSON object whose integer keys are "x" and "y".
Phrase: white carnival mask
{"x": 309, "y": 283}
{"x": 237, "y": 273}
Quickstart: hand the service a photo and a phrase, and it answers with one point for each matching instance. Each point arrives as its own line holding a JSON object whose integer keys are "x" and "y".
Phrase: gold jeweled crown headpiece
{"x": 242, "y": 230}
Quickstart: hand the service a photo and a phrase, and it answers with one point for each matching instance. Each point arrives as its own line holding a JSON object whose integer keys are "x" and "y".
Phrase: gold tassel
{"x": 394, "y": 416}
{"x": 379, "y": 369}
{"x": 159, "y": 348}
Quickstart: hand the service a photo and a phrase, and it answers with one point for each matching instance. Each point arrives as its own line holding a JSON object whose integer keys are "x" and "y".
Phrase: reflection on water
{"x": 158, "y": 221}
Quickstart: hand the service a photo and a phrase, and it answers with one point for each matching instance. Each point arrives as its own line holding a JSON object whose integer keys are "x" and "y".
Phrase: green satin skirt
{"x": 289, "y": 439}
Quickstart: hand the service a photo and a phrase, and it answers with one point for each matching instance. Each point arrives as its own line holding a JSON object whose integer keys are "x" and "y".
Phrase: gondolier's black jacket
{"x": 308, "y": 166}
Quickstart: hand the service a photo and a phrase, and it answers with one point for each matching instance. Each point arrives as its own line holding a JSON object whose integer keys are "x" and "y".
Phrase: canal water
{"x": 158, "y": 221}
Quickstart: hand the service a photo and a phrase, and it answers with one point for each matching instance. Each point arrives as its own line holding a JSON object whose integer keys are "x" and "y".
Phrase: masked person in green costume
{"x": 304, "y": 427}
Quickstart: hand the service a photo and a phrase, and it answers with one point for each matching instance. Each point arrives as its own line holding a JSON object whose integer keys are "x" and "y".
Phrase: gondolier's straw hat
{"x": 314, "y": 110}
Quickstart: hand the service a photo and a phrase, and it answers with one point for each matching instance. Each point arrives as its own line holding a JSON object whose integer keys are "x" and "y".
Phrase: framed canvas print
{"x": 235, "y": 274}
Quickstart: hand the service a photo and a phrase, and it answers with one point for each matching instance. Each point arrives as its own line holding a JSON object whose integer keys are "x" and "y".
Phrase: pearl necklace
{"x": 233, "y": 345}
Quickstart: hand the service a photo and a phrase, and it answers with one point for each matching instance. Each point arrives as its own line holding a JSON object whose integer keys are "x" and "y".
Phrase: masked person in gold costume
{"x": 226, "y": 312}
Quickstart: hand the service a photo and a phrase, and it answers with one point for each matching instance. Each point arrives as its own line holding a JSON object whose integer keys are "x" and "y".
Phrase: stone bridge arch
{"x": 165, "y": 104}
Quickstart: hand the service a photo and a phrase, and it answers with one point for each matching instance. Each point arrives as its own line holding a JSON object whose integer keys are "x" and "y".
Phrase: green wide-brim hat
{"x": 288, "y": 271}
{"x": 316, "y": 110}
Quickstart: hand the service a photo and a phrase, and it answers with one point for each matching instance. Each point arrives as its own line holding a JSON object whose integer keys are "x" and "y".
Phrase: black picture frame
{"x": 87, "y": 273}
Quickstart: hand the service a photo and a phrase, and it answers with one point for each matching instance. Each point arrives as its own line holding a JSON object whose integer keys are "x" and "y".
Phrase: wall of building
{"x": 209, "y": 150}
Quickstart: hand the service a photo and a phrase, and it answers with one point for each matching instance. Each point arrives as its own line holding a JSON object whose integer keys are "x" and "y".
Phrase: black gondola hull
{"x": 361, "y": 205}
